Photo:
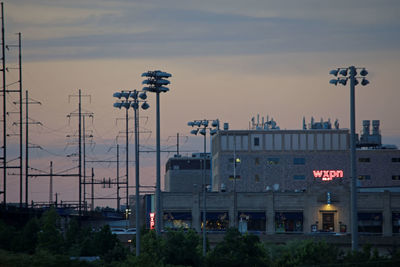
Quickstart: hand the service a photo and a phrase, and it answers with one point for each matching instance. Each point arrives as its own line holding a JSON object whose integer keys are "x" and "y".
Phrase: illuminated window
{"x": 395, "y": 159}
{"x": 176, "y": 220}
{"x": 364, "y": 177}
{"x": 231, "y": 177}
{"x": 299, "y": 161}
{"x": 299, "y": 177}
{"x": 288, "y": 222}
{"x": 257, "y": 178}
{"x": 272, "y": 161}
{"x": 396, "y": 177}
{"x": 364, "y": 160}
{"x": 257, "y": 161}
{"x": 256, "y": 141}
{"x": 217, "y": 221}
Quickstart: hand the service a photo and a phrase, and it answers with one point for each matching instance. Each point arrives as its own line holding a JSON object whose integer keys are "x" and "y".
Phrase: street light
{"x": 156, "y": 81}
{"x": 137, "y": 98}
{"x": 202, "y": 127}
{"x": 343, "y": 75}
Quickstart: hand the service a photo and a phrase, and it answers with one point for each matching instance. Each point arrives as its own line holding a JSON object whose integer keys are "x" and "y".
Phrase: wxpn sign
{"x": 328, "y": 175}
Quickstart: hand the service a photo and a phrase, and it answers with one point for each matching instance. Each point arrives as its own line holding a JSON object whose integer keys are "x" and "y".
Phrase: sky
{"x": 229, "y": 60}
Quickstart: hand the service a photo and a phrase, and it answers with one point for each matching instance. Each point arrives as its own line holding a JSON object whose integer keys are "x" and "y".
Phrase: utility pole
{"x": 51, "y": 184}
{"x": 92, "y": 208}
{"x": 27, "y": 102}
{"x": 4, "y": 108}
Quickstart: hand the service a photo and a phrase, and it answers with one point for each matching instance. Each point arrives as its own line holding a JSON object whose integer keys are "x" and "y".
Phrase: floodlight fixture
{"x": 125, "y": 94}
{"x": 205, "y": 123}
{"x": 363, "y": 72}
{"x": 364, "y": 82}
{"x": 197, "y": 123}
{"x": 203, "y": 131}
{"x": 215, "y": 123}
{"x": 117, "y": 95}
{"x": 334, "y": 81}
{"x": 213, "y": 131}
{"x": 135, "y": 105}
{"x": 117, "y": 105}
{"x": 343, "y": 81}
{"x": 190, "y": 123}
{"x": 334, "y": 72}
{"x": 195, "y": 131}
{"x": 353, "y": 71}
{"x": 143, "y": 95}
{"x": 126, "y": 104}
{"x": 343, "y": 72}
{"x": 145, "y": 105}
{"x": 134, "y": 94}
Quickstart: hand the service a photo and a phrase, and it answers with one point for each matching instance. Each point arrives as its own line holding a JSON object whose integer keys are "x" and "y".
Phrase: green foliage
{"x": 7, "y": 234}
{"x": 238, "y": 250}
{"x": 182, "y": 248}
{"x": 49, "y": 237}
{"x": 306, "y": 252}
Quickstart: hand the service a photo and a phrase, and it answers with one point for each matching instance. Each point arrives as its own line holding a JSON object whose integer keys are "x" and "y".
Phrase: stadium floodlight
{"x": 364, "y": 82}
{"x": 364, "y": 72}
{"x": 202, "y": 127}
{"x": 135, "y": 95}
{"x": 156, "y": 82}
{"x": 343, "y": 72}
{"x": 333, "y": 81}
{"x": 350, "y": 74}
{"x": 334, "y": 72}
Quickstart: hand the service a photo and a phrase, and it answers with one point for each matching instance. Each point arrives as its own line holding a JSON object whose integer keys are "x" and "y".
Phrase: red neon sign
{"x": 152, "y": 220}
{"x": 328, "y": 175}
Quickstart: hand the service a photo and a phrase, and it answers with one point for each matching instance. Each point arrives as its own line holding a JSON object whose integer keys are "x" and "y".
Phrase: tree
{"x": 49, "y": 237}
{"x": 238, "y": 250}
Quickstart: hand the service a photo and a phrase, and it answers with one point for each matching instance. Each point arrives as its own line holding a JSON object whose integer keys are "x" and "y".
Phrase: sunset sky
{"x": 229, "y": 59}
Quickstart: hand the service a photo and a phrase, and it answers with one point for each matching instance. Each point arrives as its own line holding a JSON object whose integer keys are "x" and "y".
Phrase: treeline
{"x": 42, "y": 243}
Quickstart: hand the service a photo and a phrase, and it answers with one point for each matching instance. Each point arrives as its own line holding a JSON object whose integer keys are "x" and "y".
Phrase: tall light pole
{"x": 343, "y": 75}
{"x": 202, "y": 127}
{"x": 156, "y": 81}
{"x": 136, "y": 96}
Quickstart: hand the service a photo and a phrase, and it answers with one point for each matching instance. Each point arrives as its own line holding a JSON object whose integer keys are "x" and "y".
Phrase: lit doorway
{"x": 328, "y": 222}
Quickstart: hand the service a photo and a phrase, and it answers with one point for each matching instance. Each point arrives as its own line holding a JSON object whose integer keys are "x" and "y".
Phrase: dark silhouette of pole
{"x": 118, "y": 198}
{"x": 4, "y": 109}
{"x": 158, "y": 181}
{"x": 84, "y": 160}
{"x": 353, "y": 166}
{"x": 127, "y": 160}
{"x": 20, "y": 119}
{"x": 26, "y": 149}
{"x": 92, "y": 190}
{"x": 51, "y": 184}
{"x": 80, "y": 153}
{"x": 204, "y": 194}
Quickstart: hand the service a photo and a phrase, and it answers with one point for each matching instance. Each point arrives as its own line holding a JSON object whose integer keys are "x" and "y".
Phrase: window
{"x": 257, "y": 161}
{"x": 257, "y": 178}
{"x": 299, "y": 177}
{"x": 370, "y": 222}
{"x": 251, "y": 221}
{"x": 364, "y": 177}
{"x": 288, "y": 222}
{"x": 217, "y": 221}
{"x": 299, "y": 161}
{"x": 396, "y": 222}
{"x": 176, "y": 220}
{"x": 231, "y": 177}
{"x": 256, "y": 141}
{"x": 272, "y": 161}
{"x": 364, "y": 160}
{"x": 395, "y": 159}
{"x": 396, "y": 177}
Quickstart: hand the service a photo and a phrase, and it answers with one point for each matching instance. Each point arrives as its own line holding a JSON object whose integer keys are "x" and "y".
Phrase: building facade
{"x": 289, "y": 181}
